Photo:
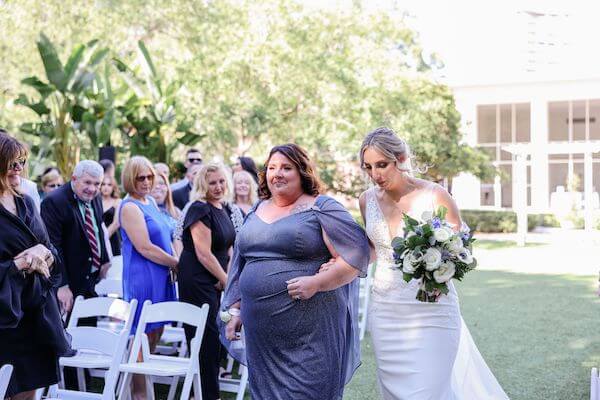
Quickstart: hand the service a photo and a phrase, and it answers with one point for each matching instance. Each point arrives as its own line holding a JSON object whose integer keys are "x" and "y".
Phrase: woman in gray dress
{"x": 299, "y": 323}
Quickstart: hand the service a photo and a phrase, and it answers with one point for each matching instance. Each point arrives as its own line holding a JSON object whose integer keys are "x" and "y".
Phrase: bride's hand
{"x": 325, "y": 266}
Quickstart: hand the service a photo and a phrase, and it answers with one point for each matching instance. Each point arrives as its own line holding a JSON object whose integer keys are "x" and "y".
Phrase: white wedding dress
{"x": 424, "y": 351}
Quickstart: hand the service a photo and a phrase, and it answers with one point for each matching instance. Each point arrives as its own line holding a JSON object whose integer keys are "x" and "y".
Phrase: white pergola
{"x": 522, "y": 150}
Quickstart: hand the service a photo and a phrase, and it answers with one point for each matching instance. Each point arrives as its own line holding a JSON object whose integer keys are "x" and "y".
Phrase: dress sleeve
{"x": 12, "y": 284}
{"x": 350, "y": 242}
{"x": 197, "y": 212}
{"x": 347, "y": 237}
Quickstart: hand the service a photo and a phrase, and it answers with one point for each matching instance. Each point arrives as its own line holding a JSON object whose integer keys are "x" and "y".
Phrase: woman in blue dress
{"x": 299, "y": 323}
{"x": 147, "y": 250}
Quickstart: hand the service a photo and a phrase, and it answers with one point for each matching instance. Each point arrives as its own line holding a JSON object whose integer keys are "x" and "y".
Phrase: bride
{"x": 423, "y": 350}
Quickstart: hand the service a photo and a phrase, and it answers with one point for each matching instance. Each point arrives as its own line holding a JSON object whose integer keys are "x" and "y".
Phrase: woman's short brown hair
{"x": 309, "y": 180}
{"x": 132, "y": 168}
{"x": 10, "y": 151}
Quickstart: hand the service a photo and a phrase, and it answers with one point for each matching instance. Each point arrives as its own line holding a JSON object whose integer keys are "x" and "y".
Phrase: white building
{"x": 522, "y": 72}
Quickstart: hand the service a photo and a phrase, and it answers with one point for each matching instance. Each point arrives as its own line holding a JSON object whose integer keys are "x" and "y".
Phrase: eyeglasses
{"x": 53, "y": 185}
{"x": 142, "y": 178}
{"x": 195, "y": 160}
{"x": 19, "y": 163}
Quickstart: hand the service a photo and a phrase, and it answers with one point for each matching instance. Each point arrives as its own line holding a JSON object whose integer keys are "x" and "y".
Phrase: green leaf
{"x": 149, "y": 66}
{"x": 408, "y": 220}
{"x": 97, "y": 57}
{"x": 73, "y": 61}
{"x": 39, "y": 108}
{"x": 42, "y": 88}
{"x": 52, "y": 65}
{"x": 407, "y": 277}
{"x": 441, "y": 212}
{"x": 398, "y": 242}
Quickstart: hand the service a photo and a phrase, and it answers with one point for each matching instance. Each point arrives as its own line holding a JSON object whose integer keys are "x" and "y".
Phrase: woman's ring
{"x": 297, "y": 297}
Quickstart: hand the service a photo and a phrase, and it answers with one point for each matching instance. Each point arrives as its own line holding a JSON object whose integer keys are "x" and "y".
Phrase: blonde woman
{"x": 245, "y": 191}
{"x": 147, "y": 250}
{"x": 51, "y": 181}
{"x": 111, "y": 200}
{"x": 208, "y": 235}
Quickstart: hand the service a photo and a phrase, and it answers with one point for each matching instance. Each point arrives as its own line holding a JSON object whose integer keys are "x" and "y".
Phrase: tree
{"x": 152, "y": 123}
{"x": 59, "y": 107}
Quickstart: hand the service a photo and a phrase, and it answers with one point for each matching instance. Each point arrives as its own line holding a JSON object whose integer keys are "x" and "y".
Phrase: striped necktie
{"x": 91, "y": 235}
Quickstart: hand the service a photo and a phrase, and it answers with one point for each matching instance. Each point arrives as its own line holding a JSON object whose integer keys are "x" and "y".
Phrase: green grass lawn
{"x": 538, "y": 333}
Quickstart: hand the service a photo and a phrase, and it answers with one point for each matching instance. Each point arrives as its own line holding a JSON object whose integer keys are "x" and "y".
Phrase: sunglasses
{"x": 142, "y": 178}
{"x": 194, "y": 160}
{"x": 19, "y": 163}
{"x": 53, "y": 185}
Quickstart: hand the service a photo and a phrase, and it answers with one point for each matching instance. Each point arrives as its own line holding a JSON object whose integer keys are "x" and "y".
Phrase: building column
{"x": 520, "y": 188}
{"x": 588, "y": 184}
{"x": 540, "y": 192}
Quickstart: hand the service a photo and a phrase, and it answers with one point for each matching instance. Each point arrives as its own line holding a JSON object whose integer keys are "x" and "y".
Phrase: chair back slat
{"x": 173, "y": 311}
{"x": 5, "y": 373}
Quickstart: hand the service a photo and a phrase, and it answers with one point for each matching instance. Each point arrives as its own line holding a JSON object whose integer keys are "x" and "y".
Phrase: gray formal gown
{"x": 306, "y": 349}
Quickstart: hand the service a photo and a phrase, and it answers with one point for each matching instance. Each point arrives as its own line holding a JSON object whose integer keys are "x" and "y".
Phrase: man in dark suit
{"x": 73, "y": 218}
{"x": 181, "y": 196}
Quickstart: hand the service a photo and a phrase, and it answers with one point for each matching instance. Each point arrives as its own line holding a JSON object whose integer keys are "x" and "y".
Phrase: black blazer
{"x": 65, "y": 226}
{"x": 181, "y": 196}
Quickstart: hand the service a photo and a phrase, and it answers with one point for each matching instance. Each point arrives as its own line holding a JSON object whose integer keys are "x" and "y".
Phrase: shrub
{"x": 490, "y": 221}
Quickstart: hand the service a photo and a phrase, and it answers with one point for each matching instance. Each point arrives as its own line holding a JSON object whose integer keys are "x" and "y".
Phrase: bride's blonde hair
{"x": 385, "y": 141}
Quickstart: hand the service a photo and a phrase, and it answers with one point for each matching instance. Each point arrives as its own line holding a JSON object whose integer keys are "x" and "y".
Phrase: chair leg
{"x": 243, "y": 383}
{"x": 61, "y": 383}
{"x": 125, "y": 392}
{"x": 149, "y": 387}
{"x": 197, "y": 387}
{"x": 173, "y": 388}
{"x": 187, "y": 387}
{"x": 81, "y": 380}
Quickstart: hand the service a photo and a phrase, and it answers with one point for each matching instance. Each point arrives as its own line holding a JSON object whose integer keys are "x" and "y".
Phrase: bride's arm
{"x": 441, "y": 197}
{"x": 362, "y": 203}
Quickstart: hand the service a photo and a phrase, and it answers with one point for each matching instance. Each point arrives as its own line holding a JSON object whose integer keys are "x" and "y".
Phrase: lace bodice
{"x": 387, "y": 276}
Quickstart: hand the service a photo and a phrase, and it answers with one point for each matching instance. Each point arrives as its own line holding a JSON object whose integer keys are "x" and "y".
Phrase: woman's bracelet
{"x": 227, "y": 314}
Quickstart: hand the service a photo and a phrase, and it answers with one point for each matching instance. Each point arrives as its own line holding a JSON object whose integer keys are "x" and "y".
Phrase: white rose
{"x": 431, "y": 240}
{"x": 426, "y": 216}
{"x": 432, "y": 258}
{"x": 407, "y": 265}
{"x": 442, "y": 234}
{"x": 410, "y": 233}
{"x": 465, "y": 256}
{"x": 445, "y": 272}
{"x": 455, "y": 245}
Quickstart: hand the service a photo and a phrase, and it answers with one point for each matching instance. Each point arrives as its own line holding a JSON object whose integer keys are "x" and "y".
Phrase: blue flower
{"x": 436, "y": 222}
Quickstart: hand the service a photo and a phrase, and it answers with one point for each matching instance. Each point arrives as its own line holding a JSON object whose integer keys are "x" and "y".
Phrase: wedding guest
{"x": 181, "y": 196}
{"x": 73, "y": 217}
{"x": 162, "y": 168}
{"x": 208, "y": 234}
{"x": 299, "y": 323}
{"x": 164, "y": 200}
{"x": 147, "y": 251}
{"x": 111, "y": 201}
{"x": 108, "y": 166}
{"x": 246, "y": 164}
{"x": 51, "y": 181}
{"x": 31, "y": 331}
{"x": 245, "y": 191}
{"x": 192, "y": 157}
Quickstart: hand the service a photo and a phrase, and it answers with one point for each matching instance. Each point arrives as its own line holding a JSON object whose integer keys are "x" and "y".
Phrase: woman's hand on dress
{"x": 40, "y": 266}
{"x": 233, "y": 327}
{"x": 38, "y": 251}
{"x": 22, "y": 262}
{"x": 302, "y": 288}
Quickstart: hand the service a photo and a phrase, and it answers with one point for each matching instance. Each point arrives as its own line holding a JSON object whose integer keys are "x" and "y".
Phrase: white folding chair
{"x": 595, "y": 385}
{"x": 116, "y": 268}
{"x": 5, "y": 373}
{"x": 161, "y": 365}
{"x": 110, "y": 287}
{"x": 99, "y": 348}
{"x": 235, "y": 385}
{"x": 365, "y": 295}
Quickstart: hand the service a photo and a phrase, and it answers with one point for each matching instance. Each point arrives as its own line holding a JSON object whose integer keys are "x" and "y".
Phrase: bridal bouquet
{"x": 433, "y": 253}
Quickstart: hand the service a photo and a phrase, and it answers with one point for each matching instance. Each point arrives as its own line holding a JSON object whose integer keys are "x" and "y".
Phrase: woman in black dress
{"x": 32, "y": 336}
{"x": 208, "y": 236}
{"x": 110, "y": 204}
